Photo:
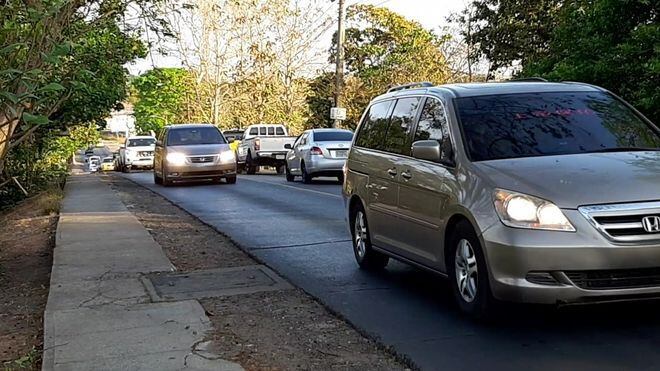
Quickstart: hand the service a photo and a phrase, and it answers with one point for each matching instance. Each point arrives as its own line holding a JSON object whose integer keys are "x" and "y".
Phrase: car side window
{"x": 303, "y": 140}
{"x": 254, "y": 131}
{"x": 262, "y": 130}
{"x": 374, "y": 126}
{"x": 401, "y": 125}
{"x": 279, "y": 131}
{"x": 432, "y": 122}
{"x": 271, "y": 130}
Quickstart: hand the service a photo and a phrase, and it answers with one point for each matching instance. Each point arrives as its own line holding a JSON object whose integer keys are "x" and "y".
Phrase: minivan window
{"x": 141, "y": 142}
{"x": 194, "y": 136}
{"x": 398, "y": 135}
{"x": 333, "y": 136}
{"x": 374, "y": 126}
{"x": 432, "y": 122}
{"x": 546, "y": 124}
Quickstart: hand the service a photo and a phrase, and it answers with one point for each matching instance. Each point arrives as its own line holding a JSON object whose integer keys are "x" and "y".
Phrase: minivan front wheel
{"x": 365, "y": 255}
{"x": 468, "y": 272}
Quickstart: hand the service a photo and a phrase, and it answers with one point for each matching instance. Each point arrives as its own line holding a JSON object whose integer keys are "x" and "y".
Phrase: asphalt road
{"x": 299, "y": 231}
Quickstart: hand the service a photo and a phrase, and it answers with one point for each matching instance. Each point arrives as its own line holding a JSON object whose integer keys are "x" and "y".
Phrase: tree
{"x": 163, "y": 97}
{"x": 382, "y": 49}
{"x": 610, "y": 43}
{"x": 61, "y": 60}
{"x": 512, "y": 31}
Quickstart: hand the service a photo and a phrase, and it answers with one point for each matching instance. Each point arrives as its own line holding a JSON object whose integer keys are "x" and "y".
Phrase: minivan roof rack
{"x": 424, "y": 84}
{"x": 529, "y": 79}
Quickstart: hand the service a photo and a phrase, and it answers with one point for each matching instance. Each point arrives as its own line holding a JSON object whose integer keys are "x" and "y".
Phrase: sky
{"x": 431, "y": 14}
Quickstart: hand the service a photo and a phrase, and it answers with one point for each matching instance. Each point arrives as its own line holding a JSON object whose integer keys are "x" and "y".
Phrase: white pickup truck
{"x": 263, "y": 145}
{"x": 137, "y": 152}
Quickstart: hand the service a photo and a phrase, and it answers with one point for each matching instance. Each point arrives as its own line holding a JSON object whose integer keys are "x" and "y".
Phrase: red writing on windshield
{"x": 558, "y": 112}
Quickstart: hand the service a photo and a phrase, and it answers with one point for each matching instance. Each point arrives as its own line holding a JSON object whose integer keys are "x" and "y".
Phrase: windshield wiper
{"x": 624, "y": 149}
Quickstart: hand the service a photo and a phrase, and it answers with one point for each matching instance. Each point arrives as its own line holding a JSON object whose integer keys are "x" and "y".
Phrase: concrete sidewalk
{"x": 99, "y": 315}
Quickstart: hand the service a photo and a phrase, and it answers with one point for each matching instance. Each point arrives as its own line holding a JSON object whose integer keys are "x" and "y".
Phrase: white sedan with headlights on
{"x": 193, "y": 152}
{"x": 318, "y": 152}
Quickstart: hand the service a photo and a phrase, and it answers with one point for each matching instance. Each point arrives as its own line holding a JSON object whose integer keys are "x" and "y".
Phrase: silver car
{"x": 193, "y": 152}
{"x": 318, "y": 152}
{"x": 517, "y": 191}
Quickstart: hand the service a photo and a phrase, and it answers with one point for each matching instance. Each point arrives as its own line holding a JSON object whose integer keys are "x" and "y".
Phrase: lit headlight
{"x": 523, "y": 211}
{"x": 176, "y": 158}
{"x": 227, "y": 157}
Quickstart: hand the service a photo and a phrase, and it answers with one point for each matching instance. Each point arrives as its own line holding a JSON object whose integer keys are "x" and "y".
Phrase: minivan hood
{"x": 571, "y": 181}
{"x": 199, "y": 149}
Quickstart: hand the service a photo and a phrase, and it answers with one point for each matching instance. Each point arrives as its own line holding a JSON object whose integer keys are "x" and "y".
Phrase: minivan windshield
{"x": 194, "y": 136}
{"x": 546, "y": 124}
{"x": 141, "y": 142}
{"x": 333, "y": 136}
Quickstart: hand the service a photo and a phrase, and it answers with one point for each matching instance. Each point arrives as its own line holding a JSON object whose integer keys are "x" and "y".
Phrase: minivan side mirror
{"x": 287, "y": 146}
{"x": 426, "y": 150}
{"x": 432, "y": 150}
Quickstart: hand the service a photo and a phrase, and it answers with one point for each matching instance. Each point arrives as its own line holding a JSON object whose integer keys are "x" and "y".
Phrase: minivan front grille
{"x": 625, "y": 222}
{"x": 615, "y": 279}
{"x": 201, "y": 159}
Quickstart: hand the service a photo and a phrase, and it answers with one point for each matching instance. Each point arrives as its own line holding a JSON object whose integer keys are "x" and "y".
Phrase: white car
{"x": 137, "y": 152}
{"x": 93, "y": 163}
{"x": 318, "y": 152}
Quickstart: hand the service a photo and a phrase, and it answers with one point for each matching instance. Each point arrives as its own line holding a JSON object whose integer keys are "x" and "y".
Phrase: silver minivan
{"x": 523, "y": 191}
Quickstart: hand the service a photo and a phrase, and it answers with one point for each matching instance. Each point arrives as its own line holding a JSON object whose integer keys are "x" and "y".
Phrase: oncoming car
{"x": 193, "y": 152}
{"x": 107, "y": 164}
{"x": 523, "y": 191}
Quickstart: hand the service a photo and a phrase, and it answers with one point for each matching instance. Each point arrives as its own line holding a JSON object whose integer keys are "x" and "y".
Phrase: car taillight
{"x": 257, "y": 144}
{"x": 316, "y": 151}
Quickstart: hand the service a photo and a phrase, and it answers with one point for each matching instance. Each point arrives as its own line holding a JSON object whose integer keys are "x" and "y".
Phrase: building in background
{"x": 122, "y": 121}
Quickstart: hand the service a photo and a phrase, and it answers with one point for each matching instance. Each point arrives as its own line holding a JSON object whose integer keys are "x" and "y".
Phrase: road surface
{"x": 299, "y": 231}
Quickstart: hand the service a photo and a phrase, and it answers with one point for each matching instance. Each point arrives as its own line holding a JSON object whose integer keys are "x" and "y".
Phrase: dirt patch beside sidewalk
{"x": 278, "y": 330}
{"x": 27, "y": 238}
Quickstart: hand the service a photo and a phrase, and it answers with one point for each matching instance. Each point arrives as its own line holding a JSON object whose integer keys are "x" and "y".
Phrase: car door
{"x": 425, "y": 189}
{"x": 295, "y": 155}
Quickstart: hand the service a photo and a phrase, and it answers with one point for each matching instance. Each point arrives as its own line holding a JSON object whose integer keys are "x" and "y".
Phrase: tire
{"x": 124, "y": 169}
{"x": 157, "y": 179}
{"x": 231, "y": 179}
{"x": 366, "y": 257}
{"x": 289, "y": 176}
{"x": 279, "y": 169}
{"x": 306, "y": 178}
{"x": 250, "y": 168}
{"x": 468, "y": 272}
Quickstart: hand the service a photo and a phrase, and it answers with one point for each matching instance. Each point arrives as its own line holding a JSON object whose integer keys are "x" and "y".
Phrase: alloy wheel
{"x": 360, "y": 234}
{"x": 467, "y": 276}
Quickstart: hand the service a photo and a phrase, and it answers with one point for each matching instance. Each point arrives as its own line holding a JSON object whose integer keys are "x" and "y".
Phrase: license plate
{"x": 279, "y": 157}
{"x": 343, "y": 153}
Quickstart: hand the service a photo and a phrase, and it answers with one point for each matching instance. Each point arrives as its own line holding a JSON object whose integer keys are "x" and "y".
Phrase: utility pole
{"x": 339, "y": 74}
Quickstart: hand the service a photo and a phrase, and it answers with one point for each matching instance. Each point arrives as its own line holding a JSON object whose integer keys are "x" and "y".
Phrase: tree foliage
{"x": 61, "y": 64}
{"x": 163, "y": 97}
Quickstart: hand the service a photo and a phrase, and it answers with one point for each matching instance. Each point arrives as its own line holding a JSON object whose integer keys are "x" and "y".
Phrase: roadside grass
{"x": 30, "y": 361}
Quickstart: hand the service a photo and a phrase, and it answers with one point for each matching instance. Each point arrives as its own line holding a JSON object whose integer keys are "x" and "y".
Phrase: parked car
{"x": 93, "y": 163}
{"x": 193, "y": 152}
{"x": 107, "y": 164}
{"x": 137, "y": 152}
{"x": 234, "y": 137}
{"x": 264, "y": 145}
{"x": 516, "y": 191}
{"x": 318, "y": 152}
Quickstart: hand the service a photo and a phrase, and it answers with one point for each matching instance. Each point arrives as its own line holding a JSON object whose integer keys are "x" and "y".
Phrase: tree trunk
{"x": 8, "y": 124}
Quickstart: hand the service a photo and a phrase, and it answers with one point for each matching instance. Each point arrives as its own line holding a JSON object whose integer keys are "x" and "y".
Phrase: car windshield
{"x": 546, "y": 124}
{"x": 194, "y": 136}
{"x": 106, "y": 160}
{"x": 333, "y": 136}
{"x": 141, "y": 142}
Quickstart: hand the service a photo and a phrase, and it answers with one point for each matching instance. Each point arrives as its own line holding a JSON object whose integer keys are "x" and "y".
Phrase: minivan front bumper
{"x": 551, "y": 267}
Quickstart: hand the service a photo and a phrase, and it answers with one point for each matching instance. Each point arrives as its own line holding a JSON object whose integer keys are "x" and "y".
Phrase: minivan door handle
{"x": 392, "y": 172}
{"x": 406, "y": 175}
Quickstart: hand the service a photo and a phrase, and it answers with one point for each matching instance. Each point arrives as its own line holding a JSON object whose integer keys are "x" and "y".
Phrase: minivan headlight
{"x": 519, "y": 210}
{"x": 227, "y": 157}
{"x": 176, "y": 158}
